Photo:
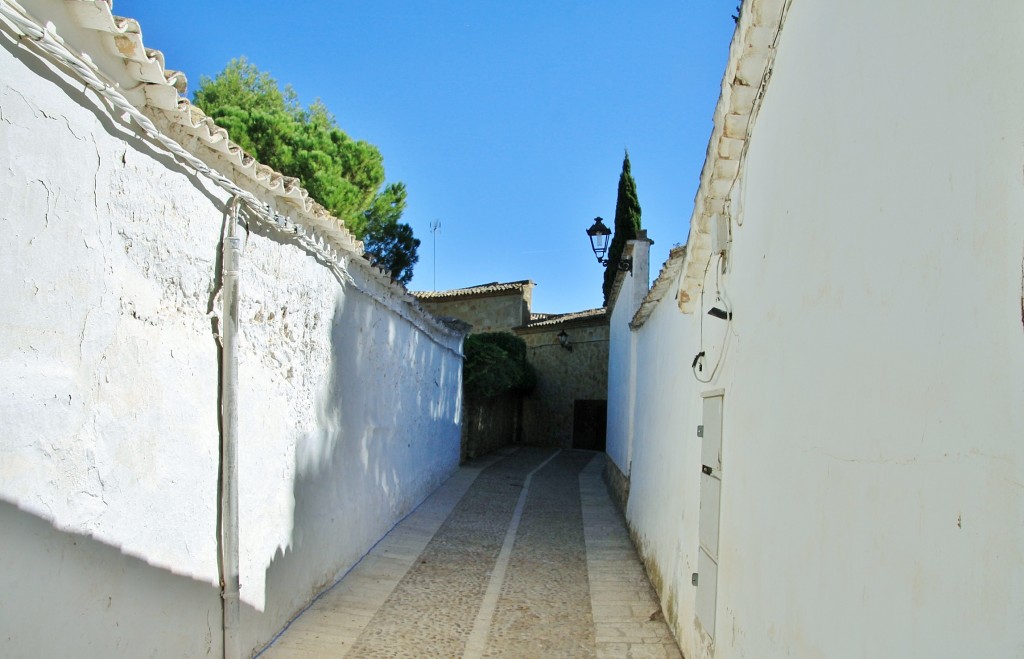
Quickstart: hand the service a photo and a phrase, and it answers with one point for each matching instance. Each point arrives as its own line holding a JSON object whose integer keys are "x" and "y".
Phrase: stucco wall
{"x": 626, "y": 296}
{"x": 663, "y": 504}
{"x": 620, "y": 388}
{"x": 871, "y": 462}
{"x": 562, "y": 378}
{"x": 109, "y": 452}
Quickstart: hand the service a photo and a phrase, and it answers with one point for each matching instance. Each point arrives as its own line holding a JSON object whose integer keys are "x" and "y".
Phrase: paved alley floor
{"x": 519, "y": 554}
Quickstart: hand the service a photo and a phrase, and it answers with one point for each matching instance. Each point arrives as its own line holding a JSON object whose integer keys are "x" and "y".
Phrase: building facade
{"x": 569, "y": 351}
{"x": 568, "y": 406}
{"x": 817, "y": 405}
{"x": 494, "y": 307}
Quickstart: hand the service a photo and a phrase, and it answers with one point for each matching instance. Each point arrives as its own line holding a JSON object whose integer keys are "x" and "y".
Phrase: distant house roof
{"x": 543, "y": 321}
{"x": 480, "y": 290}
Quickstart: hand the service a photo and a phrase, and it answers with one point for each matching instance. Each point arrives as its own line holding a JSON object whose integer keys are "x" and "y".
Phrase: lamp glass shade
{"x": 600, "y": 236}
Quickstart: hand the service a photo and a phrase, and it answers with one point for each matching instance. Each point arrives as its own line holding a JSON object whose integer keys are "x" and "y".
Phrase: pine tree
{"x": 627, "y": 223}
{"x": 343, "y": 174}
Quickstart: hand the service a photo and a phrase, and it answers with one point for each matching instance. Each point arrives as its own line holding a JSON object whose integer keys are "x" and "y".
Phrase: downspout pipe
{"x": 231, "y": 258}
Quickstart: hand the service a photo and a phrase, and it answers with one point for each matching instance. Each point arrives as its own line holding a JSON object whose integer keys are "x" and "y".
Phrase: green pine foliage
{"x": 627, "y": 223}
{"x": 344, "y": 175}
{"x": 496, "y": 364}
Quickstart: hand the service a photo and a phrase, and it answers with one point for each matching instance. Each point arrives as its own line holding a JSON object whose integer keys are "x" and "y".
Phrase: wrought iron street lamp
{"x": 600, "y": 240}
{"x": 563, "y": 340}
{"x": 600, "y": 237}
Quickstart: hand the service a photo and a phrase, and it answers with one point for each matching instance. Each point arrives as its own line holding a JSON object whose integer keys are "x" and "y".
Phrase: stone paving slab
{"x": 544, "y": 608}
{"x": 627, "y": 614}
{"x": 330, "y": 626}
{"x": 520, "y": 555}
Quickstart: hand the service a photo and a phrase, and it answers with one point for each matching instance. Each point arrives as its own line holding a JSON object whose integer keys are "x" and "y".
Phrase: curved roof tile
{"x": 159, "y": 95}
{"x": 751, "y": 56}
{"x": 480, "y": 289}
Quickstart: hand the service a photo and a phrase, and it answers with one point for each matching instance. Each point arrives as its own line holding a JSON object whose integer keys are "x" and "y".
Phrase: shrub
{"x": 496, "y": 364}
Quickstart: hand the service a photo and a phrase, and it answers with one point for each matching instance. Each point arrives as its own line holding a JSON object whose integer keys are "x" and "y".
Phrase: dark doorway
{"x": 589, "y": 424}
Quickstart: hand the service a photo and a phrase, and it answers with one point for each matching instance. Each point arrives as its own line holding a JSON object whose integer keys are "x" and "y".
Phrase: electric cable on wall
{"x": 697, "y": 366}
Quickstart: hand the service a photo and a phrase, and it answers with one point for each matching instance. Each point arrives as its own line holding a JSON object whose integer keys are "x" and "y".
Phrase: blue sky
{"x": 507, "y": 121}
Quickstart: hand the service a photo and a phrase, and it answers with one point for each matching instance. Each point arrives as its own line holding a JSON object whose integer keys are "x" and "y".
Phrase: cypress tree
{"x": 627, "y": 223}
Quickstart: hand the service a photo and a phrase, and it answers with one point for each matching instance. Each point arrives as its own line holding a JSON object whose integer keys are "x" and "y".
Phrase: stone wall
{"x": 496, "y": 312}
{"x": 563, "y": 377}
{"x": 489, "y": 424}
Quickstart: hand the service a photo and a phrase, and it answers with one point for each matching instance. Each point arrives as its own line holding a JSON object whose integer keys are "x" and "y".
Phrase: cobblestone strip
{"x": 544, "y": 609}
{"x": 330, "y": 626}
{"x": 481, "y": 627}
{"x": 430, "y": 613}
{"x": 627, "y": 616}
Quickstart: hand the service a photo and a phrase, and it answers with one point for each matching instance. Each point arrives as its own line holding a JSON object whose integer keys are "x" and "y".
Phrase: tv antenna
{"x": 435, "y": 228}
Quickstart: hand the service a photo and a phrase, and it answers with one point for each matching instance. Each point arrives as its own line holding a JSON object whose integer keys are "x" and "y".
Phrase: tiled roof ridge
{"x": 751, "y": 57}
{"x": 159, "y": 95}
{"x": 492, "y": 287}
{"x": 557, "y": 319}
{"x": 666, "y": 277}
{"x": 153, "y": 94}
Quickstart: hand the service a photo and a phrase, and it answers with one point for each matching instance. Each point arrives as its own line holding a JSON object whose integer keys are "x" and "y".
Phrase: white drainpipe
{"x": 231, "y": 259}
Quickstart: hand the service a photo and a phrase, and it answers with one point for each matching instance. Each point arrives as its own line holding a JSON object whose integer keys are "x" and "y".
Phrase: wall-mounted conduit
{"x": 230, "y": 263}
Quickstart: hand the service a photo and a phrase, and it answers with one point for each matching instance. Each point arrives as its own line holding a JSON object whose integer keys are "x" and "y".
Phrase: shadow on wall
{"x": 490, "y": 424}
{"x": 387, "y": 435}
{"x": 69, "y": 595}
{"x": 387, "y": 429}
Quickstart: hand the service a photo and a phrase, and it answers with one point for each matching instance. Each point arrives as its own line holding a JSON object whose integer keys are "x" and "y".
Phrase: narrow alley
{"x": 520, "y": 554}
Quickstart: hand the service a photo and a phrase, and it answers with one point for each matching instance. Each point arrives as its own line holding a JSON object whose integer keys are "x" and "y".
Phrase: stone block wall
{"x": 563, "y": 377}
{"x": 493, "y": 313}
{"x": 489, "y": 424}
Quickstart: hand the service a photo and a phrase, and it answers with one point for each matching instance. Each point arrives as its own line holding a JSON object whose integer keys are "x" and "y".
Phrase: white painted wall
{"x": 620, "y": 372}
{"x": 872, "y": 462}
{"x": 109, "y": 406}
{"x": 625, "y": 300}
{"x": 663, "y": 499}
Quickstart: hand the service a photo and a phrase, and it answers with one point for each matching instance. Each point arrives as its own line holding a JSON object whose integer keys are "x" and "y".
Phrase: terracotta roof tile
{"x": 751, "y": 58}
{"x": 159, "y": 94}
{"x": 480, "y": 289}
{"x": 554, "y": 319}
{"x": 669, "y": 272}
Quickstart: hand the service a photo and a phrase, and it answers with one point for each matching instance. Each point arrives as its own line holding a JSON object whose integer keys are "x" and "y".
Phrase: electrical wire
{"x": 762, "y": 88}
{"x": 698, "y": 361}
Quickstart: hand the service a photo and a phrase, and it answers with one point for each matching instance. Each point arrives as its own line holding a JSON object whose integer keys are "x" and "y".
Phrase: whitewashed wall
{"x": 109, "y": 397}
{"x": 620, "y": 372}
{"x": 625, "y": 298}
{"x": 663, "y": 498}
{"x": 872, "y": 462}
